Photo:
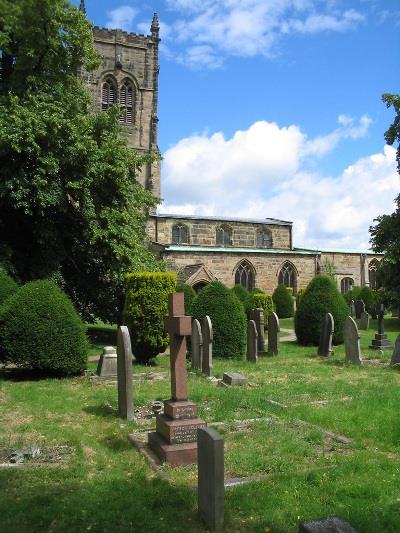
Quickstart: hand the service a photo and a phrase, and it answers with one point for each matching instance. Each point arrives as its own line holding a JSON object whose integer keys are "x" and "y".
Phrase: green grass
{"x": 107, "y": 486}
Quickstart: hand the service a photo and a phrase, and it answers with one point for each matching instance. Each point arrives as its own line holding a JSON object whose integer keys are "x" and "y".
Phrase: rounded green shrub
{"x": 299, "y": 296}
{"x": 190, "y": 295}
{"x": 354, "y": 294}
{"x": 40, "y": 329}
{"x": 370, "y": 298}
{"x": 263, "y": 301}
{"x": 244, "y": 296}
{"x": 145, "y": 309}
{"x": 283, "y": 302}
{"x": 320, "y": 297}
{"x": 7, "y": 285}
{"x": 227, "y": 316}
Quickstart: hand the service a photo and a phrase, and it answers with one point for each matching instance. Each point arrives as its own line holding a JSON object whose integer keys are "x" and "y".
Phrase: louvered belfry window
{"x": 126, "y": 103}
{"x": 108, "y": 94}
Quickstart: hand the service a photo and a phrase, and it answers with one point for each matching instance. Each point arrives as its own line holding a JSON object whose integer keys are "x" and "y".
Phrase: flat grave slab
{"x": 234, "y": 379}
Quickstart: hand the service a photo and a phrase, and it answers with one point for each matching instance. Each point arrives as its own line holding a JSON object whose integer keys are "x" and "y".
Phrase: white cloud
{"x": 122, "y": 18}
{"x": 262, "y": 172}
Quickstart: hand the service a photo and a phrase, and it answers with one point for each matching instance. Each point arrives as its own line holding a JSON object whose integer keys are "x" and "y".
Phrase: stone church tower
{"x": 128, "y": 75}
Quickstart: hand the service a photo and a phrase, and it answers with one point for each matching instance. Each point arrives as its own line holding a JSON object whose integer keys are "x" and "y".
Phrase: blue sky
{"x": 272, "y": 108}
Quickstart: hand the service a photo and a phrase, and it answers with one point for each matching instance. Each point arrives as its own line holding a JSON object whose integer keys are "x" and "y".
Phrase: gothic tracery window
{"x": 244, "y": 275}
{"x": 224, "y": 235}
{"x": 180, "y": 234}
{"x": 346, "y": 285}
{"x": 288, "y": 277}
{"x": 126, "y": 96}
{"x": 264, "y": 239}
{"x": 108, "y": 94}
{"x": 372, "y": 268}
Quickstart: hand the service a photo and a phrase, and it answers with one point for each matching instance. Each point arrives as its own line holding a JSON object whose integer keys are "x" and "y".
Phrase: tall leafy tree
{"x": 385, "y": 234}
{"x": 70, "y": 206}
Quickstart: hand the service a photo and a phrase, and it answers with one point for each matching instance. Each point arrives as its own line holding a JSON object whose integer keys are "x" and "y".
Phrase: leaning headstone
{"x": 359, "y": 308}
{"x": 352, "y": 341}
{"x": 333, "y": 524}
{"x": 124, "y": 370}
{"x": 175, "y": 438}
{"x": 210, "y": 491}
{"x": 234, "y": 379}
{"x": 196, "y": 345}
{"x": 252, "y": 342}
{"x": 107, "y": 365}
{"x": 207, "y": 331}
{"x": 381, "y": 342}
{"x": 364, "y": 321}
{"x": 258, "y": 316}
{"x": 396, "y": 353}
{"x": 325, "y": 340}
{"x": 273, "y": 334}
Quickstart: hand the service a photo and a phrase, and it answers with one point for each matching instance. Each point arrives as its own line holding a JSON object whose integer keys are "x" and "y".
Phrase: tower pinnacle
{"x": 82, "y": 7}
{"x": 155, "y": 26}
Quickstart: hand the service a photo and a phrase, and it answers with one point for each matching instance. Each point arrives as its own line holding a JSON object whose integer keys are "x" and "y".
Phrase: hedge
{"x": 263, "y": 301}
{"x": 145, "y": 309}
{"x": 244, "y": 296}
{"x": 283, "y": 301}
{"x": 7, "y": 285}
{"x": 190, "y": 295}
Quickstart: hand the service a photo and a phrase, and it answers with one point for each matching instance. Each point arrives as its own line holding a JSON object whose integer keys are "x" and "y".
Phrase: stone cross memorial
{"x": 396, "y": 353}
{"x": 352, "y": 342}
{"x": 252, "y": 341}
{"x": 273, "y": 334}
{"x": 175, "y": 438}
{"x": 124, "y": 371}
{"x": 210, "y": 488}
{"x": 364, "y": 321}
{"x": 197, "y": 345}
{"x": 325, "y": 340}
{"x": 207, "y": 331}
{"x": 258, "y": 316}
{"x": 381, "y": 342}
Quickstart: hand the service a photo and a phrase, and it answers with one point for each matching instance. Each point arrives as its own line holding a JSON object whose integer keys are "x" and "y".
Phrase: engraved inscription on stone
{"x": 184, "y": 412}
{"x": 181, "y": 434}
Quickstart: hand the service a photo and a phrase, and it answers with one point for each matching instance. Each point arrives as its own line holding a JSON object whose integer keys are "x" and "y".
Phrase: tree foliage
{"x": 70, "y": 207}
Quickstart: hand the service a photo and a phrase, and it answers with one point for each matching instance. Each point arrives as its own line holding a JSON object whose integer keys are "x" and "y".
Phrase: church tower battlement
{"x": 128, "y": 76}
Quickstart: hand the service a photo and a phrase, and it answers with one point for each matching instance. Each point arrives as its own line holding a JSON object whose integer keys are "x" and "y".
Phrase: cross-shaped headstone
{"x": 381, "y": 329}
{"x": 178, "y": 326}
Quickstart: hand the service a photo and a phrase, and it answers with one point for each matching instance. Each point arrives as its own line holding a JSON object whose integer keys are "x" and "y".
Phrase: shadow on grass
{"x": 26, "y": 374}
{"x": 105, "y": 411}
{"x": 117, "y": 443}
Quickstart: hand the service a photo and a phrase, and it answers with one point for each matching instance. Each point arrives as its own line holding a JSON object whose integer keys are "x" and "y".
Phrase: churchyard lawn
{"x": 323, "y": 437}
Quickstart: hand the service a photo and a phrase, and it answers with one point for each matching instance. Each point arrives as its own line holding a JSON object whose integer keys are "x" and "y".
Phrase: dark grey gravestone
{"x": 325, "y": 340}
{"x": 234, "y": 379}
{"x": 352, "y": 341}
{"x": 364, "y": 321}
{"x": 107, "y": 365}
{"x": 396, "y": 353}
{"x": 124, "y": 367}
{"x": 352, "y": 308}
{"x": 381, "y": 342}
{"x": 258, "y": 316}
{"x": 196, "y": 345}
{"x": 207, "y": 331}
{"x": 333, "y": 524}
{"x": 359, "y": 308}
{"x": 273, "y": 334}
{"x": 210, "y": 491}
{"x": 252, "y": 341}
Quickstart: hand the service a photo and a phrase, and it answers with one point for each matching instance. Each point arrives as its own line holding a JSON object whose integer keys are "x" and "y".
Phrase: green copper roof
{"x": 233, "y": 250}
{"x": 338, "y": 251}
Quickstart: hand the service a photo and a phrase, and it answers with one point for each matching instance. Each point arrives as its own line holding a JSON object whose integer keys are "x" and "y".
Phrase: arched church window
{"x": 372, "y": 268}
{"x": 180, "y": 234}
{"x": 108, "y": 94}
{"x": 244, "y": 275}
{"x": 264, "y": 239}
{"x": 223, "y": 235}
{"x": 126, "y": 102}
{"x": 346, "y": 285}
{"x": 287, "y": 276}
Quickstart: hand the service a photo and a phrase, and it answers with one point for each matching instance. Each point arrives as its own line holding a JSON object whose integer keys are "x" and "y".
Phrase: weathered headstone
{"x": 175, "y": 438}
{"x": 359, "y": 308}
{"x": 252, "y": 342}
{"x": 325, "y": 340}
{"x": 234, "y": 379}
{"x": 124, "y": 369}
{"x": 352, "y": 308}
{"x": 352, "y": 341}
{"x": 396, "y": 353}
{"x": 381, "y": 342}
{"x": 364, "y": 321}
{"x": 107, "y": 365}
{"x": 210, "y": 492}
{"x": 258, "y": 316}
{"x": 333, "y": 524}
{"x": 273, "y": 334}
{"x": 197, "y": 345}
{"x": 207, "y": 331}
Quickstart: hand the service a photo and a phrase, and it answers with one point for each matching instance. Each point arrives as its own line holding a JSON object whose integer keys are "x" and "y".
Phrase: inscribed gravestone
{"x": 197, "y": 345}
{"x": 325, "y": 341}
{"x": 210, "y": 493}
{"x": 332, "y": 524}
{"x": 258, "y": 316}
{"x": 107, "y": 365}
{"x": 207, "y": 331}
{"x": 124, "y": 371}
{"x": 364, "y": 321}
{"x": 359, "y": 308}
{"x": 396, "y": 353}
{"x": 273, "y": 334}
{"x": 352, "y": 341}
{"x": 252, "y": 341}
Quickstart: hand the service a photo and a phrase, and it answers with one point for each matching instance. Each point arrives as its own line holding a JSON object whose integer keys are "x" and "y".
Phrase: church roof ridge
{"x": 224, "y": 219}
